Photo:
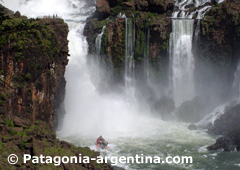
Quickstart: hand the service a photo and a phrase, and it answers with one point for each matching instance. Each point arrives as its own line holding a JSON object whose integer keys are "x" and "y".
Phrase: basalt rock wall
{"x": 33, "y": 57}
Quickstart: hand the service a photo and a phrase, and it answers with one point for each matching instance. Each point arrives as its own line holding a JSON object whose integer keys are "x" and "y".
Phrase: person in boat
{"x": 101, "y": 141}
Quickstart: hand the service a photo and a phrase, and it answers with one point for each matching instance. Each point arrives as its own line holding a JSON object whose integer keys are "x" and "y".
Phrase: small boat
{"x": 102, "y": 145}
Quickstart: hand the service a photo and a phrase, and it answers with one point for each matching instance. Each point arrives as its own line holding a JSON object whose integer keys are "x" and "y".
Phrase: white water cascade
{"x": 209, "y": 119}
{"x": 129, "y": 59}
{"x": 181, "y": 47}
{"x": 184, "y": 6}
{"x": 236, "y": 82}
{"x": 98, "y": 41}
{"x": 146, "y": 54}
{"x": 182, "y": 61}
{"x": 129, "y": 51}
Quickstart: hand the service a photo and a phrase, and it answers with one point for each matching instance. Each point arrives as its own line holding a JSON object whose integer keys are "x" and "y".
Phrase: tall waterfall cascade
{"x": 129, "y": 51}
{"x": 146, "y": 54}
{"x": 182, "y": 61}
{"x": 236, "y": 82}
{"x": 98, "y": 41}
{"x": 181, "y": 45}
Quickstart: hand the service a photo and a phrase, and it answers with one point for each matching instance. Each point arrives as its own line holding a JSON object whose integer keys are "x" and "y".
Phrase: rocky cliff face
{"x": 217, "y": 53}
{"x": 147, "y": 15}
{"x": 33, "y": 56}
{"x": 227, "y": 125}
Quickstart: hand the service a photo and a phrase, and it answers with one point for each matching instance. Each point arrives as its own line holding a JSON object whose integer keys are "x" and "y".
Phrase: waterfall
{"x": 197, "y": 31}
{"x": 203, "y": 11}
{"x": 184, "y": 6}
{"x": 181, "y": 47}
{"x": 146, "y": 54}
{"x": 236, "y": 82}
{"x": 209, "y": 119}
{"x": 129, "y": 51}
{"x": 98, "y": 41}
{"x": 182, "y": 61}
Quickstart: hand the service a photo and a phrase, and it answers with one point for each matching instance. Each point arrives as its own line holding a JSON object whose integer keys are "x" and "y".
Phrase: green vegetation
{"x": 1, "y": 102}
{"x": 21, "y": 33}
{"x": 4, "y": 96}
{"x": 140, "y": 43}
{"x": 28, "y": 76}
{"x": 13, "y": 132}
{"x": 152, "y": 15}
{"x": 9, "y": 123}
{"x": 105, "y": 42}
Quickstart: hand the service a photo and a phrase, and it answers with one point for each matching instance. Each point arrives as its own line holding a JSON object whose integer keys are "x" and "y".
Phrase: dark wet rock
{"x": 191, "y": 111}
{"x": 161, "y": 6}
{"x": 40, "y": 136}
{"x": 103, "y": 9}
{"x": 113, "y": 3}
{"x": 230, "y": 141}
{"x": 165, "y": 106}
{"x": 65, "y": 144}
{"x": 238, "y": 148}
{"x": 192, "y": 127}
{"x": 224, "y": 143}
{"x": 229, "y": 126}
{"x": 226, "y": 122}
